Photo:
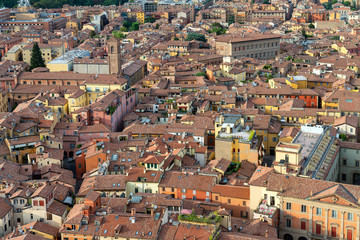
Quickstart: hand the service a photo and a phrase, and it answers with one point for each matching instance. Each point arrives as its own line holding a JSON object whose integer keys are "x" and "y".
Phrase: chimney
{"x": 133, "y": 211}
{"x": 152, "y": 212}
{"x": 184, "y": 236}
{"x": 266, "y": 234}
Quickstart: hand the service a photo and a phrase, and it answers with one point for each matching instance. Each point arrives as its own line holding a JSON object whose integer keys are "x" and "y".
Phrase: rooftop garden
{"x": 213, "y": 218}
{"x": 234, "y": 167}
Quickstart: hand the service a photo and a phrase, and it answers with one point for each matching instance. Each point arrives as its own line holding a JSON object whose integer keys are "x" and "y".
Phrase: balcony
{"x": 265, "y": 212}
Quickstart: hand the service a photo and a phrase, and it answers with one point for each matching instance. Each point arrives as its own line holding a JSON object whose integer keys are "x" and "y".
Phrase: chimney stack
{"x": 133, "y": 211}
{"x": 266, "y": 234}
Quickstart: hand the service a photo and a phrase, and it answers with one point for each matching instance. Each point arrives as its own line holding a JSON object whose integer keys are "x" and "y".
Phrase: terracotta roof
{"x": 242, "y": 192}
{"x": 5, "y": 207}
{"x": 191, "y": 181}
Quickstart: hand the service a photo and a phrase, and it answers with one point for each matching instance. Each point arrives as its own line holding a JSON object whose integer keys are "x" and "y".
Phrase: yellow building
{"x": 57, "y": 104}
{"x": 227, "y": 70}
{"x": 140, "y": 17}
{"x": 76, "y": 100}
{"x": 14, "y": 54}
{"x": 268, "y": 128}
{"x": 45, "y": 51}
{"x": 297, "y": 82}
{"x": 235, "y": 145}
{"x": 333, "y": 15}
{"x": 73, "y": 25}
{"x": 288, "y": 158}
{"x": 102, "y": 84}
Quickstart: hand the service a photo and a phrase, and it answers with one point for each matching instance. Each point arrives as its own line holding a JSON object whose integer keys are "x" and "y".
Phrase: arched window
{"x": 288, "y": 237}
{"x": 68, "y": 83}
{"x": 53, "y": 82}
{"x": 39, "y": 82}
{"x": 112, "y": 49}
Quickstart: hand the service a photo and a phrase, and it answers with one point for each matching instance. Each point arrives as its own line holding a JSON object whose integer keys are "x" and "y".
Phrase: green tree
{"x": 36, "y": 57}
{"x": 92, "y": 34}
{"x": 135, "y": 26}
{"x": 267, "y": 67}
{"x": 343, "y": 137}
{"x": 157, "y": 26}
{"x": 176, "y": 39}
{"x": 127, "y": 24}
{"x": 118, "y": 34}
{"x": 327, "y": 6}
{"x": 303, "y": 32}
{"x": 200, "y": 74}
{"x": 231, "y": 19}
{"x": 150, "y": 19}
{"x": 196, "y": 36}
{"x": 311, "y": 25}
{"x": 217, "y": 28}
{"x": 266, "y": 2}
{"x": 123, "y": 29}
{"x": 347, "y": 3}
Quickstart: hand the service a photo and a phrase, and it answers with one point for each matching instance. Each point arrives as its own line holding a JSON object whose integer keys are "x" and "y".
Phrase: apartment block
{"x": 254, "y": 45}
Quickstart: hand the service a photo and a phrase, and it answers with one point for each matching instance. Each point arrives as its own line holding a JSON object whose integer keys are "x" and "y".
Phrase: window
{"x": 333, "y": 213}
{"x": 163, "y": 188}
{"x": 216, "y": 198}
{"x": 350, "y": 216}
{"x": 207, "y": 199}
{"x": 318, "y": 211}
{"x": 41, "y": 203}
{"x": 244, "y": 203}
{"x": 207, "y": 194}
{"x": 35, "y": 203}
{"x": 31, "y": 216}
{"x": 79, "y": 166}
{"x": 344, "y": 162}
{"x": 343, "y": 177}
{"x": 272, "y": 201}
{"x": 288, "y": 223}
{"x": 183, "y": 190}
{"x": 357, "y": 164}
{"x": 303, "y": 225}
{"x": 229, "y": 200}
{"x": 183, "y": 196}
{"x": 303, "y": 208}
{"x": 136, "y": 190}
{"x": 274, "y": 139}
{"x": 288, "y": 206}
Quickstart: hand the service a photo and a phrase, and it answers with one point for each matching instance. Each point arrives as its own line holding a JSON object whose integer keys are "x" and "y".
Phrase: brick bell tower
{"x": 114, "y": 53}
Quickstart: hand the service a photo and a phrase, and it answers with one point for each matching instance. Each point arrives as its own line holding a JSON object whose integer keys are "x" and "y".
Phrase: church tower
{"x": 113, "y": 46}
